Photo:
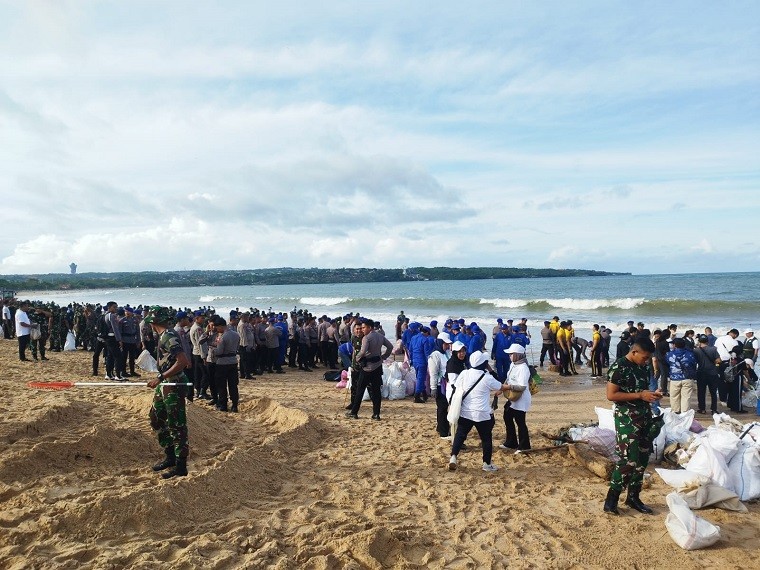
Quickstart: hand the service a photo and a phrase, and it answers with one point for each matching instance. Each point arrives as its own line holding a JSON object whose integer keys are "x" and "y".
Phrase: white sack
{"x": 606, "y": 418}
{"x": 744, "y": 473}
{"x": 710, "y": 463}
{"x": 71, "y": 342}
{"x": 146, "y": 362}
{"x": 688, "y": 530}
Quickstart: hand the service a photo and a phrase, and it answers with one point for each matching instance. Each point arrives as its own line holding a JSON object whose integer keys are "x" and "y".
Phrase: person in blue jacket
{"x": 283, "y": 326}
{"x": 501, "y": 342}
{"x": 459, "y": 335}
{"x": 421, "y": 347}
{"x": 476, "y": 340}
{"x": 521, "y": 336}
{"x": 406, "y": 338}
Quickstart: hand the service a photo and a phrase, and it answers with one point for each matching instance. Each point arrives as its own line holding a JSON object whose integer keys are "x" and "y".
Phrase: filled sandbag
{"x": 710, "y": 463}
{"x": 744, "y": 473}
{"x": 71, "y": 342}
{"x": 606, "y": 417}
{"x": 688, "y": 530}
{"x": 146, "y": 362}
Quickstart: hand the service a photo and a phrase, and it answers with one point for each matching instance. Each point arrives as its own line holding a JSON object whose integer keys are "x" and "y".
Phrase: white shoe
{"x": 446, "y": 437}
{"x": 453, "y": 463}
{"x": 489, "y": 467}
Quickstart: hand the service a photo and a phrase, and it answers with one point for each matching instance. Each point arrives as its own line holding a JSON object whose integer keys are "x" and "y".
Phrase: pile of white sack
{"x": 721, "y": 468}
{"x": 399, "y": 380}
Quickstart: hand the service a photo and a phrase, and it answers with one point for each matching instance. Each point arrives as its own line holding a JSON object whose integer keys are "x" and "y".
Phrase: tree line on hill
{"x": 278, "y": 276}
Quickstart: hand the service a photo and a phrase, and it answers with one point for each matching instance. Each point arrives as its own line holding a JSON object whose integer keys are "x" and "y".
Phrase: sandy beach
{"x": 290, "y": 483}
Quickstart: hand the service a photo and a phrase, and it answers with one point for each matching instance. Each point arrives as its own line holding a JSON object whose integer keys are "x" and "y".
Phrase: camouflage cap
{"x": 159, "y": 314}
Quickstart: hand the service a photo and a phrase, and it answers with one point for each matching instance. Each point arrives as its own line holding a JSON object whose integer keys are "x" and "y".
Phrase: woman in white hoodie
{"x": 438, "y": 381}
{"x": 476, "y": 386}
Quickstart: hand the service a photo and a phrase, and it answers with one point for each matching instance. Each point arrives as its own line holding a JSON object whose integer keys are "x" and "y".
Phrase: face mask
{"x": 448, "y": 353}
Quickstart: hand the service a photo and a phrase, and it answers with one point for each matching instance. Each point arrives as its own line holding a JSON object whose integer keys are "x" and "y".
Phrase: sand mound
{"x": 290, "y": 483}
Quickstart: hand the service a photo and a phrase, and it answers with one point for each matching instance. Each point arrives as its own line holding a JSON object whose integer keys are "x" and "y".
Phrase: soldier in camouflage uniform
{"x": 80, "y": 326}
{"x": 167, "y": 414}
{"x": 55, "y": 328}
{"x": 41, "y": 317}
{"x": 635, "y": 427}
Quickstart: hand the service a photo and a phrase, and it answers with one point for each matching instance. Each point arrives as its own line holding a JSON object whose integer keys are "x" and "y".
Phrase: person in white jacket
{"x": 476, "y": 386}
{"x": 514, "y": 412}
{"x": 437, "y": 371}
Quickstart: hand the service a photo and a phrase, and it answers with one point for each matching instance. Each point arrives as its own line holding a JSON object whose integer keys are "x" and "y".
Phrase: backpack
{"x": 332, "y": 375}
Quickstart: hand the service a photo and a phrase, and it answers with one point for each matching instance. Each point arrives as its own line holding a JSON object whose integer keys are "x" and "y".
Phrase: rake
{"x": 67, "y": 385}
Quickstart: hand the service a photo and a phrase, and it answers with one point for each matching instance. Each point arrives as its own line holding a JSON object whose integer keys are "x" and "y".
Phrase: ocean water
{"x": 719, "y": 300}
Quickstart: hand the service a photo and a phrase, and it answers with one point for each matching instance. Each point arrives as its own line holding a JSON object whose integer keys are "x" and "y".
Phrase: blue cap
{"x": 461, "y": 321}
{"x": 455, "y": 327}
{"x": 425, "y": 329}
{"x": 233, "y": 314}
{"x": 181, "y": 315}
{"x": 433, "y": 323}
{"x": 271, "y": 319}
{"x": 499, "y": 320}
{"x": 198, "y": 313}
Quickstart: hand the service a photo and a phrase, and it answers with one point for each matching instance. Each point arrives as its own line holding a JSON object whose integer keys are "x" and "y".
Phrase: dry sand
{"x": 290, "y": 483}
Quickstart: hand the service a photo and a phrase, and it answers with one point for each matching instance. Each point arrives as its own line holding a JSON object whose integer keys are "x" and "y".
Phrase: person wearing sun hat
{"x": 518, "y": 378}
{"x": 167, "y": 412}
{"x": 475, "y": 386}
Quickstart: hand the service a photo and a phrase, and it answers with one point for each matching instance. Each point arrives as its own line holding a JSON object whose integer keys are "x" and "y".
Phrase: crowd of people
{"x": 452, "y": 364}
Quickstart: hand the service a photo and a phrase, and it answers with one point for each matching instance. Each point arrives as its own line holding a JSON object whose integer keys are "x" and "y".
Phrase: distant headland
{"x": 278, "y": 276}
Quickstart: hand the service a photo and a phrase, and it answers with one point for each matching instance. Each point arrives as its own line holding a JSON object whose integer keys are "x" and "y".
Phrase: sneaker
{"x": 453, "y": 463}
{"x": 489, "y": 467}
{"x": 504, "y": 446}
{"x": 446, "y": 437}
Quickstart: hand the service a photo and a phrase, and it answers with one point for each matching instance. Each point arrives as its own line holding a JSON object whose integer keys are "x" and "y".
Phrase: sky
{"x": 620, "y": 136}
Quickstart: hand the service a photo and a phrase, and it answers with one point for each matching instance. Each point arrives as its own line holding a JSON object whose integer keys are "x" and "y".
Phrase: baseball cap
{"x": 515, "y": 349}
{"x": 445, "y": 338}
{"x": 457, "y": 346}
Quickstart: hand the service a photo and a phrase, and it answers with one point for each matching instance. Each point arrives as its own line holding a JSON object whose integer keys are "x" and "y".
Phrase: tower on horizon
{"x": 73, "y": 268}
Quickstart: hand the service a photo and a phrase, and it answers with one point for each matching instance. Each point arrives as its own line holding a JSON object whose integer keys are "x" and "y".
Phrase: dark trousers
{"x": 226, "y": 379}
{"x": 114, "y": 357}
{"x": 502, "y": 367}
{"x": 547, "y": 349}
{"x": 23, "y": 342}
{"x": 662, "y": 374}
{"x": 273, "y": 355}
{"x": 200, "y": 374}
{"x": 128, "y": 355}
{"x": 324, "y": 349}
{"x": 332, "y": 355}
{"x": 303, "y": 355}
{"x": 485, "y": 431}
{"x": 564, "y": 362}
{"x": 313, "y": 354}
{"x": 99, "y": 347}
{"x": 7, "y": 332}
{"x": 211, "y": 370}
{"x": 292, "y": 353}
{"x": 442, "y": 409}
{"x": 705, "y": 383}
{"x": 721, "y": 384}
{"x": 370, "y": 381}
{"x": 517, "y": 429}
{"x": 596, "y": 362}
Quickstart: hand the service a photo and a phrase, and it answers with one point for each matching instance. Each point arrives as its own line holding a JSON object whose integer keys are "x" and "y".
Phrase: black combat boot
{"x": 633, "y": 501}
{"x": 180, "y": 470}
{"x": 170, "y": 461}
{"x": 610, "y": 503}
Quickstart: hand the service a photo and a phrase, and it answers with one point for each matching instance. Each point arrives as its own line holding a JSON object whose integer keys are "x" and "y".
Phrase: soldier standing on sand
{"x": 42, "y": 318}
{"x": 635, "y": 428}
{"x": 167, "y": 413}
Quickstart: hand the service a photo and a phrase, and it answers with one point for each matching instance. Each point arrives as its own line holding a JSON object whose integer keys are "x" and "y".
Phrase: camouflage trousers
{"x": 38, "y": 344}
{"x": 634, "y": 434}
{"x": 168, "y": 417}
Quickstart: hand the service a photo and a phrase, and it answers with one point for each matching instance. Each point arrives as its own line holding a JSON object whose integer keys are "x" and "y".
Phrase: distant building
{"x": 73, "y": 268}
